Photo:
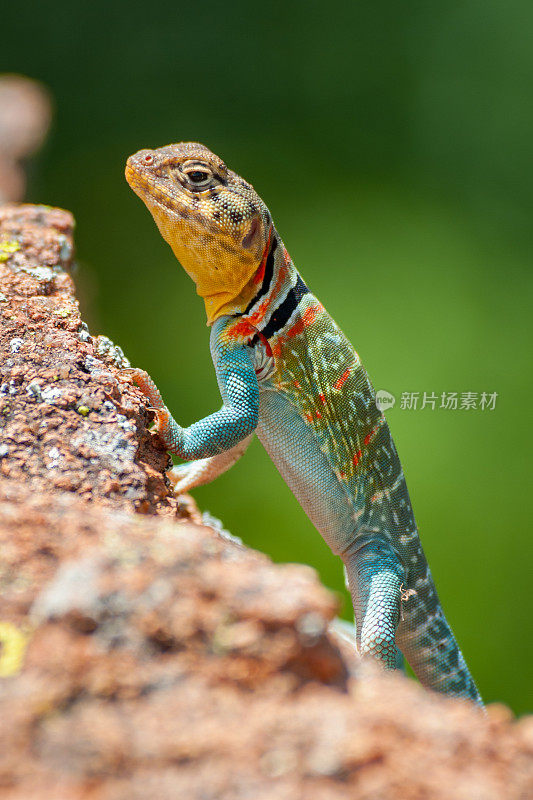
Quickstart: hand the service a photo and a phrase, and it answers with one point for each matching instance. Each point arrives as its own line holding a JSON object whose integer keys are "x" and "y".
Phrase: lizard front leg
{"x": 226, "y": 428}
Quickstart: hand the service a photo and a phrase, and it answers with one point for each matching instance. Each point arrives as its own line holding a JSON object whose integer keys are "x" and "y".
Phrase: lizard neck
{"x": 276, "y": 286}
{"x": 278, "y": 302}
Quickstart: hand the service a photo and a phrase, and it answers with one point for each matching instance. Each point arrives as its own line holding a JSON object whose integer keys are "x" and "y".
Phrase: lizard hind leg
{"x": 375, "y": 578}
{"x": 185, "y": 477}
{"x": 350, "y": 630}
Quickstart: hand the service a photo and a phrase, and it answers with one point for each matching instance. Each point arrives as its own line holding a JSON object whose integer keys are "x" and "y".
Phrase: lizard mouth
{"x": 130, "y": 173}
{"x": 162, "y": 204}
{"x": 149, "y": 191}
{"x": 140, "y": 181}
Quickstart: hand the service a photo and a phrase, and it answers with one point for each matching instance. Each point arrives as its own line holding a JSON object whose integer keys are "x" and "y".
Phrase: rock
{"x": 70, "y": 419}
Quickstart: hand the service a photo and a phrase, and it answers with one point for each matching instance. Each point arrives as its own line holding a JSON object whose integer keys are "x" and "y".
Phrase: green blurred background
{"x": 393, "y": 143}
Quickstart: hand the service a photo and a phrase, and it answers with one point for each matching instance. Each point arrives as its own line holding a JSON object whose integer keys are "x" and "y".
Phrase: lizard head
{"x": 216, "y": 224}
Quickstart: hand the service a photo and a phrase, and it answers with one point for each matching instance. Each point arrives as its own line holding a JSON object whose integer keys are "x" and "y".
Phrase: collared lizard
{"x": 288, "y": 373}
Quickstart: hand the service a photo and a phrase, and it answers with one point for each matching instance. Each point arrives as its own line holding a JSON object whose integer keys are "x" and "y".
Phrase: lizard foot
{"x": 165, "y": 426}
{"x": 162, "y": 423}
{"x": 146, "y": 385}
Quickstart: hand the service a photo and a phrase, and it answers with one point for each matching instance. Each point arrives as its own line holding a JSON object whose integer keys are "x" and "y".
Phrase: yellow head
{"x": 216, "y": 224}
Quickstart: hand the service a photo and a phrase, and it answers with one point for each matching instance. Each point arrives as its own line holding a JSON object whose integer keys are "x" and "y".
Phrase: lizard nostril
{"x": 148, "y": 158}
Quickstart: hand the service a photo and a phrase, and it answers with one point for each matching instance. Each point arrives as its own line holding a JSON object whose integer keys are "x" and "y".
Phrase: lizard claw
{"x": 162, "y": 416}
{"x": 144, "y": 382}
{"x": 134, "y": 373}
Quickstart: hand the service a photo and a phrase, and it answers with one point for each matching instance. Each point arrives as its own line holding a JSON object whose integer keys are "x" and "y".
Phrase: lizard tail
{"x": 427, "y": 641}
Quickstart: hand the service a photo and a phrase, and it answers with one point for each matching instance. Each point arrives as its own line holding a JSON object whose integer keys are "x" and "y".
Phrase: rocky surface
{"x": 144, "y": 655}
{"x": 70, "y": 420}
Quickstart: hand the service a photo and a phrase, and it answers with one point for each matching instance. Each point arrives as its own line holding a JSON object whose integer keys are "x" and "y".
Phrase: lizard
{"x": 287, "y": 373}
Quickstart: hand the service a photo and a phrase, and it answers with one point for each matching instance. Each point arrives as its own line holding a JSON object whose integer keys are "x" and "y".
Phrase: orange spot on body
{"x": 356, "y": 458}
{"x": 266, "y": 343}
{"x": 322, "y": 398}
{"x": 242, "y": 329}
{"x": 297, "y": 384}
{"x": 307, "y": 318}
{"x": 343, "y": 378}
{"x": 371, "y": 435}
{"x": 311, "y": 415}
{"x": 366, "y": 440}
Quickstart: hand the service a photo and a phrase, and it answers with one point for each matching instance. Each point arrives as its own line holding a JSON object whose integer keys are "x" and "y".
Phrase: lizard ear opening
{"x": 249, "y": 239}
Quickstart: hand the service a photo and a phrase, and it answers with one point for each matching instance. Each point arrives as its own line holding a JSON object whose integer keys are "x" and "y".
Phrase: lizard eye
{"x": 198, "y": 177}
